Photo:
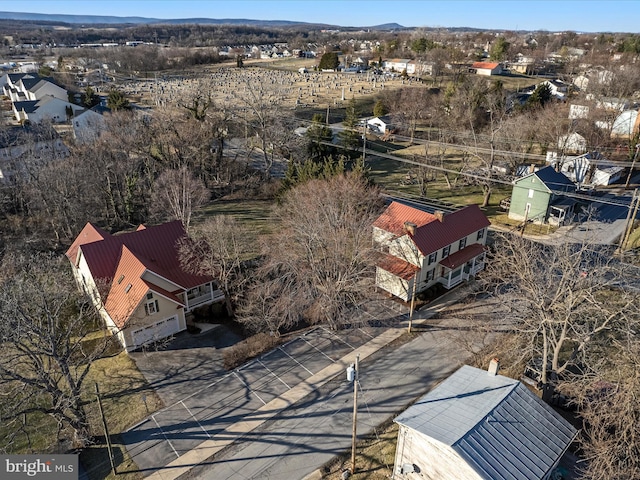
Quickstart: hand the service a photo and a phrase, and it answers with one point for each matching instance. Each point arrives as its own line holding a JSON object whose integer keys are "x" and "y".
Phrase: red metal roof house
{"x": 444, "y": 248}
{"x": 136, "y": 281}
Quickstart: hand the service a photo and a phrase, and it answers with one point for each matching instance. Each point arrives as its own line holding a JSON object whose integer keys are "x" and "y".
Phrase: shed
{"x": 478, "y": 425}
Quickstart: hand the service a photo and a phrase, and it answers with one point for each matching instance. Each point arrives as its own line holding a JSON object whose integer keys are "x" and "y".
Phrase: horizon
{"x": 546, "y": 15}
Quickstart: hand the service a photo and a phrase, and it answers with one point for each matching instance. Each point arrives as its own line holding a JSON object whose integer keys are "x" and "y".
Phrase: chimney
{"x": 532, "y": 168}
{"x": 410, "y": 228}
{"x": 494, "y": 366}
{"x": 439, "y": 214}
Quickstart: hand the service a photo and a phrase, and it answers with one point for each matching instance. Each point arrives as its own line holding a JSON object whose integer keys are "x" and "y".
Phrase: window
{"x": 480, "y": 234}
{"x": 430, "y": 275}
{"x": 149, "y": 296}
{"x": 462, "y": 243}
{"x": 432, "y": 258}
{"x": 120, "y": 279}
{"x": 445, "y": 251}
{"x": 531, "y": 190}
{"x": 127, "y": 288}
{"x": 151, "y": 307}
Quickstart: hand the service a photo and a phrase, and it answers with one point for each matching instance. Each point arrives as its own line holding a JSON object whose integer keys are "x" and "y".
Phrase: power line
{"x": 491, "y": 179}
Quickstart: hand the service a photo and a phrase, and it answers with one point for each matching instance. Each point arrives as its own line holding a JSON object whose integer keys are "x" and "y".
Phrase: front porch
{"x": 202, "y": 295}
{"x": 462, "y": 265}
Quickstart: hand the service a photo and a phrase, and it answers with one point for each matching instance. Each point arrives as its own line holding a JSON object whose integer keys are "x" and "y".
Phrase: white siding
{"x": 433, "y": 459}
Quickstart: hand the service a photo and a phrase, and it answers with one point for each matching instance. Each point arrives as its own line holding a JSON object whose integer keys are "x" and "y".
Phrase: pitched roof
{"x": 29, "y": 106}
{"x": 397, "y": 266}
{"x": 121, "y": 261}
{"x": 462, "y": 256}
{"x": 432, "y": 234}
{"x": 489, "y": 65}
{"x": 551, "y": 179}
{"x": 497, "y": 425}
{"x": 90, "y": 233}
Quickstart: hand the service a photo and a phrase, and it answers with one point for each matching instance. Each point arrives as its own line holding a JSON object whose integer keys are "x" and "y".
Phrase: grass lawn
{"x": 127, "y": 399}
{"x": 392, "y": 175}
{"x": 253, "y": 213}
{"x": 374, "y": 456}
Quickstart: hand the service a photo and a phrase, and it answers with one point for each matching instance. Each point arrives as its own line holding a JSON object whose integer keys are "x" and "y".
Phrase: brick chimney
{"x": 494, "y": 366}
{"x": 439, "y": 214}
{"x": 410, "y": 228}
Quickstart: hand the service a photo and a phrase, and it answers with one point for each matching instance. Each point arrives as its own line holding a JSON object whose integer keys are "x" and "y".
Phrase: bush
{"x": 247, "y": 349}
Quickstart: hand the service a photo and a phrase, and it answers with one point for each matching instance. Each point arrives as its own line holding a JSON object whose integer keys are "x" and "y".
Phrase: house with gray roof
{"x": 478, "y": 425}
{"x": 542, "y": 197}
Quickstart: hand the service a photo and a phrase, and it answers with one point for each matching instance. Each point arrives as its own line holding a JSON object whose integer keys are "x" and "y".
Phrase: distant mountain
{"x": 111, "y": 20}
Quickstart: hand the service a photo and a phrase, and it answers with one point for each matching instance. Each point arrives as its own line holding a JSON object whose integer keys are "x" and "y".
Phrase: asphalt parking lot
{"x": 236, "y": 395}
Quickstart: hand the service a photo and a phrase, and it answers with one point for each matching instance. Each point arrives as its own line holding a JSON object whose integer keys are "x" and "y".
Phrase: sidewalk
{"x": 234, "y": 432}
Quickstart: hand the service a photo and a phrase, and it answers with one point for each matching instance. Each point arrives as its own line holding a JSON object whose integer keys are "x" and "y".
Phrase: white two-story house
{"x": 417, "y": 246}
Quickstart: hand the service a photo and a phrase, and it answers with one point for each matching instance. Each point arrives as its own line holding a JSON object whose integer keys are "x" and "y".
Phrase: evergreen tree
{"x": 379, "y": 109}
{"x": 90, "y": 99}
{"x": 540, "y": 96}
{"x": 329, "y": 61}
{"x": 318, "y": 134}
{"x": 499, "y": 49}
{"x": 117, "y": 101}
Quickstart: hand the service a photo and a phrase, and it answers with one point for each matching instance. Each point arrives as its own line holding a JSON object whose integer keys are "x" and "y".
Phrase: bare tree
{"x": 323, "y": 246}
{"x": 218, "y": 247}
{"x": 178, "y": 193}
{"x": 45, "y": 358}
{"x": 262, "y": 103}
{"x": 606, "y": 397}
{"x": 270, "y": 305}
{"x": 559, "y": 298}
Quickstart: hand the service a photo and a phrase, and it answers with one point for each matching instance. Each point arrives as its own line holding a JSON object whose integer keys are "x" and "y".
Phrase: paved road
{"x": 202, "y": 410}
{"x": 303, "y": 438}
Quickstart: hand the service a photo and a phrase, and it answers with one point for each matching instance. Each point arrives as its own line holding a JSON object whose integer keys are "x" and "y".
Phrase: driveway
{"x": 185, "y": 364}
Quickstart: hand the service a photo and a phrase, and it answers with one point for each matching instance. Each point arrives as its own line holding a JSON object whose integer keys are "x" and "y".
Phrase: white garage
{"x": 155, "y": 331}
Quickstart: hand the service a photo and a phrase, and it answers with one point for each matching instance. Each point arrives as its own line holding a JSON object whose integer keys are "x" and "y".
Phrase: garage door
{"x": 155, "y": 331}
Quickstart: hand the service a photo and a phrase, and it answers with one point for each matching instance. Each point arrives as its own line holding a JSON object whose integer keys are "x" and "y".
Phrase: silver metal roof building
{"x": 494, "y": 424}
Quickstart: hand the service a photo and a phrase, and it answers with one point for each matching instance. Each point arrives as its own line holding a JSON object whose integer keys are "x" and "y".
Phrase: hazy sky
{"x": 577, "y": 15}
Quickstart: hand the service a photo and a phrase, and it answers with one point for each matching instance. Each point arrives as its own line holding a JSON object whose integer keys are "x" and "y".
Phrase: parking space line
{"x": 316, "y": 348}
{"x": 272, "y": 373}
{"x": 249, "y": 388}
{"x": 164, "y": 435}
{"x": 366, "y": 333}
{"x": 199, "y": 424}
{"x": 333, "y": 335}
{"x": 310, "y": 372}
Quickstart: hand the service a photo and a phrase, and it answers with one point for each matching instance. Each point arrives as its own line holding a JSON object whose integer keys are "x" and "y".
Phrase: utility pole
{"x": 524, "y": 224}
{"x": 106, "y": 432}
{"x": 352, "y": 375}
{"x": 629, "y": 223}
{"x": 413, "y": 299}
{"x": 633, "y": 164}
{"x": 364, "y": 142}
